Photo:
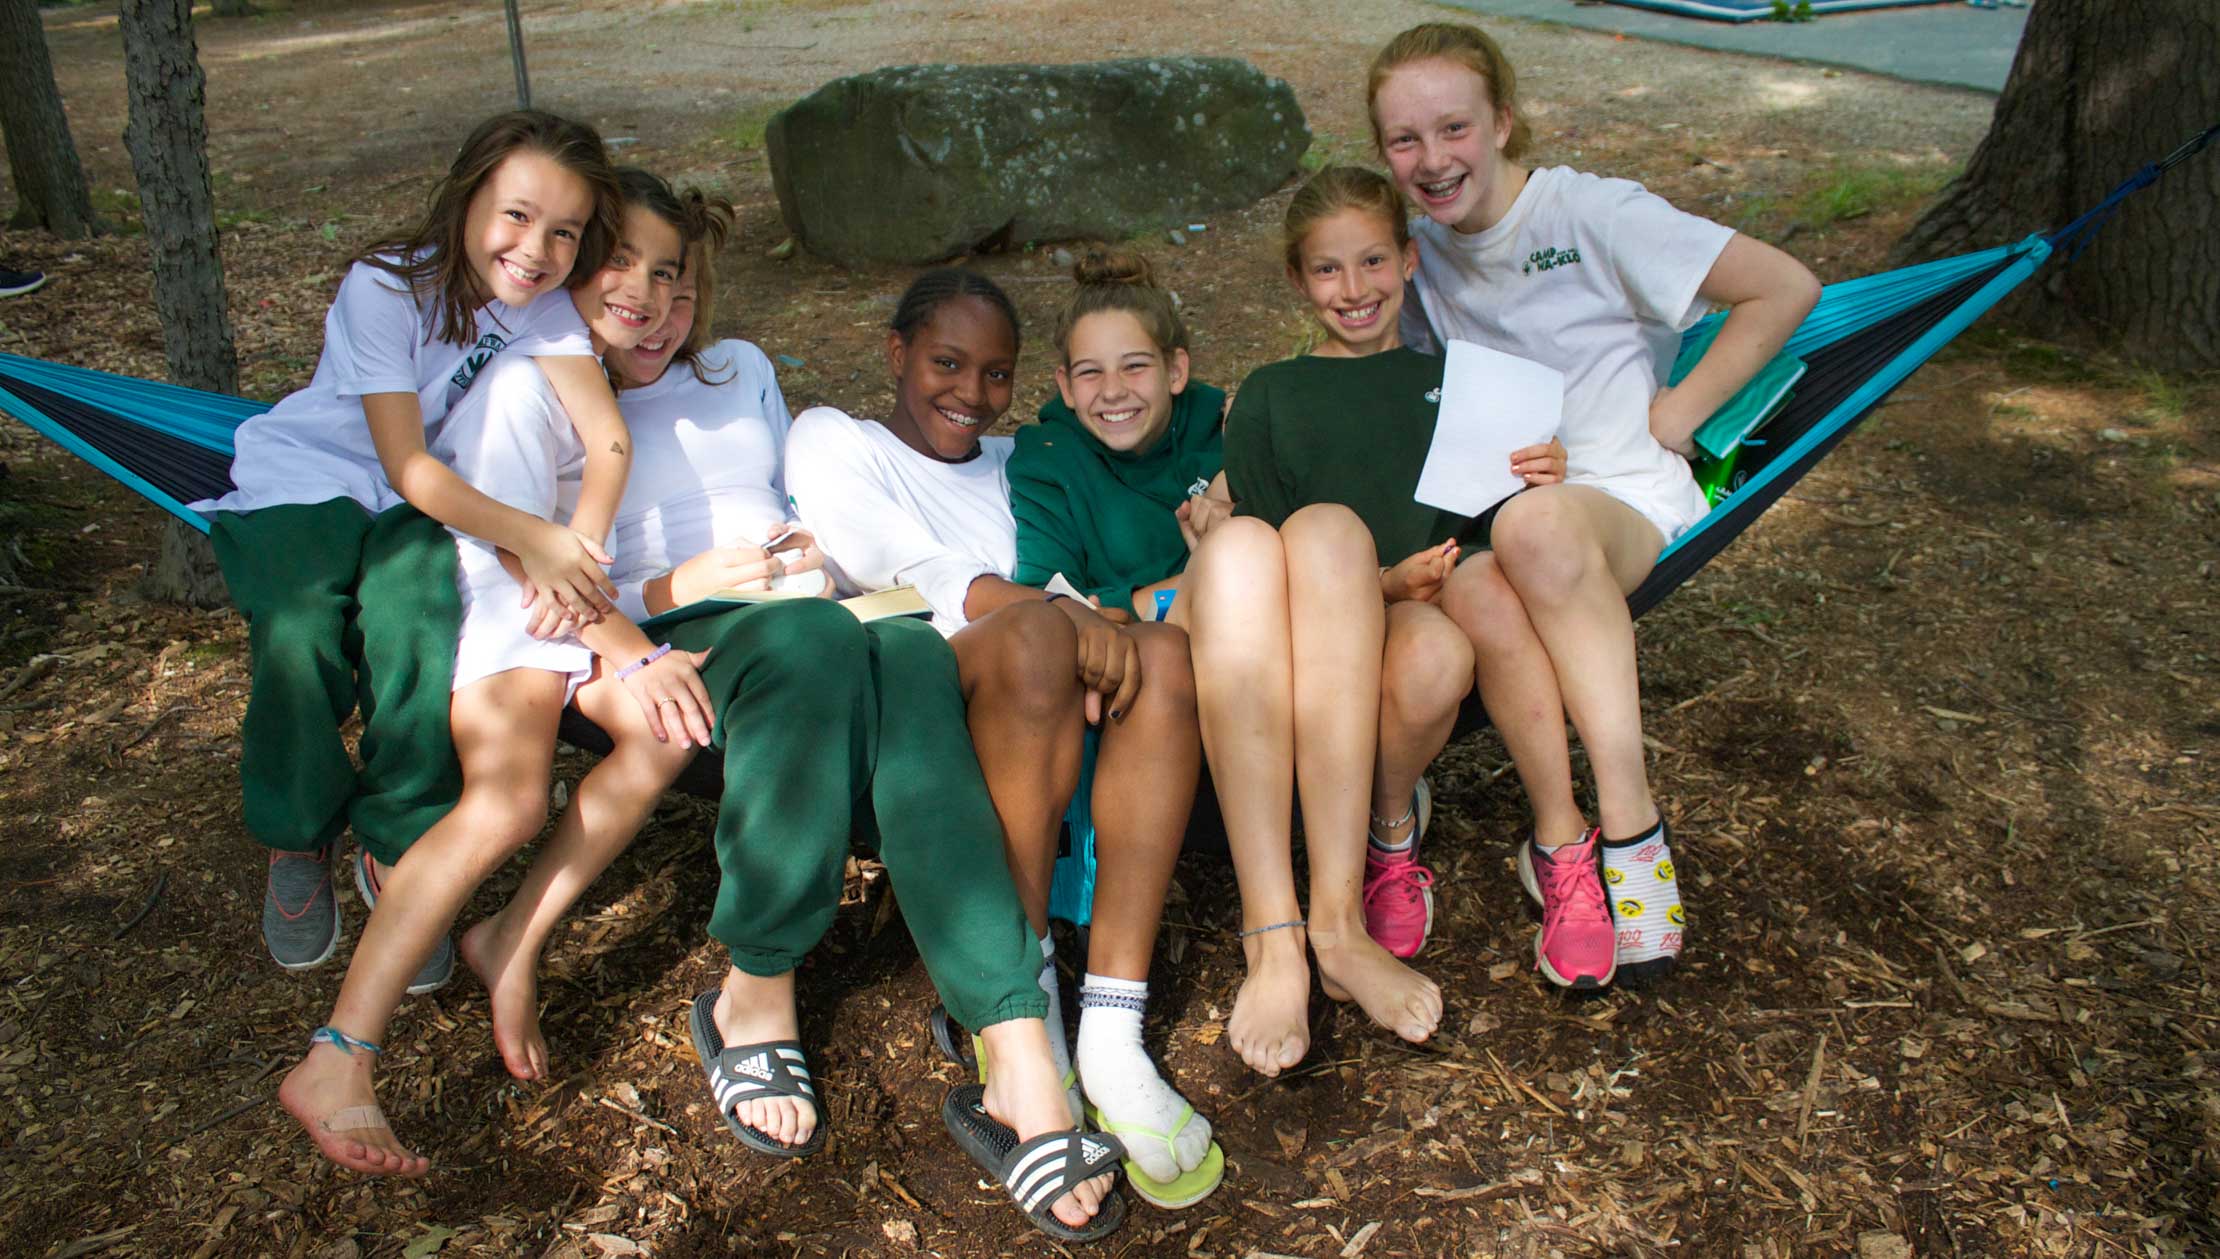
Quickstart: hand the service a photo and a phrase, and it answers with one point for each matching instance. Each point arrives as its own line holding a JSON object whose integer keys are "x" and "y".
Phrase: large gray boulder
{"x": 913, "y": 164}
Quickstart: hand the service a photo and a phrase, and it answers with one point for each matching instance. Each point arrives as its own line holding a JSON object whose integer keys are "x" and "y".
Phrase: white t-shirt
{"x": 705, "y": 466}
{"x": 1596, "y": 278}
{"x": 887, "y": 515}
{"x": 510, "y": 438}
{"x": 315, "y": 445}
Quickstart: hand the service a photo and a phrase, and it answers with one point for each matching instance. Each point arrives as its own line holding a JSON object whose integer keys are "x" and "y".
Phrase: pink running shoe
{"x": 1398, "y": 892}
{"x": 1576, "y": 946}
{"x": 1398, "y": 901}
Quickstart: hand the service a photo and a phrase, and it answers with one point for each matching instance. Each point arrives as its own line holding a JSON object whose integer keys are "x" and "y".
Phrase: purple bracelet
{"x": 643, "y": 662}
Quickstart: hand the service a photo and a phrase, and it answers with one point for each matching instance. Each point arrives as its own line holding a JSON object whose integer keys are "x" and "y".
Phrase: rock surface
{"x": 913, "y": 164}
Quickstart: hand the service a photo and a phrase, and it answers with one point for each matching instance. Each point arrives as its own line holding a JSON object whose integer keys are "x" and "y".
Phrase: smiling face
{"x": 1443, "y": 137}
{"x": 1119, "y": 383}
{"x": 1352, "y": 274}
{"x": 952, "y": 378}
{"x": 631, "y": 293}
{"x": 521, "y": 231}
{"x": 645, "y": 363}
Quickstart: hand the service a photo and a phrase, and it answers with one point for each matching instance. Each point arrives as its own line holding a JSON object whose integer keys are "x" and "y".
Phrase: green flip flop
{"x": 1189, "y": 1188}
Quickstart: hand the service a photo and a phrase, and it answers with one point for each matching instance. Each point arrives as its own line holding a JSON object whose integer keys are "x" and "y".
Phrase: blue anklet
{"x": 329, "y": 1035}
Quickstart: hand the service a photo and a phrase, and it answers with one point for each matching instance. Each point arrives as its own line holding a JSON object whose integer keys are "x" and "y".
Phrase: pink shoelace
{"x": 1570, "y": 889}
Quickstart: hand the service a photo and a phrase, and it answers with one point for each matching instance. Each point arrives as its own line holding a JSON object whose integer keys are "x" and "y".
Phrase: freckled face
{"x": 1119, "y": 382}
{"x": 952, "y": 379}
{"x": 1443, "y": 139}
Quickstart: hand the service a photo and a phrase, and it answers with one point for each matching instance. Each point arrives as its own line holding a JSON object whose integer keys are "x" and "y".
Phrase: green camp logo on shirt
{"x": 1549, "y": 260}
{"x": 475, "y": 361}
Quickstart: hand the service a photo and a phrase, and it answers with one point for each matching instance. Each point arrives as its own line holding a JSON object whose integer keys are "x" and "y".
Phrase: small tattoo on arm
{"x": 616, "y": 448}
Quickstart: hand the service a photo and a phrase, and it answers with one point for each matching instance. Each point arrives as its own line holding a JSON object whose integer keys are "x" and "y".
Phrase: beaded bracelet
{"x": 643, "y": 662}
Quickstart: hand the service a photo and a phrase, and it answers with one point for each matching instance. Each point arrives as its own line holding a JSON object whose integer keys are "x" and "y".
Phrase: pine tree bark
{"x": 42, "y": 158}
{"x": 2098, "y": 88}
{"x": 167, "y": 134}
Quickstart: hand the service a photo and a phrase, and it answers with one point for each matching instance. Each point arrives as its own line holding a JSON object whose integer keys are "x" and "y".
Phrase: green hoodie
{"x": 1104, "y": 518}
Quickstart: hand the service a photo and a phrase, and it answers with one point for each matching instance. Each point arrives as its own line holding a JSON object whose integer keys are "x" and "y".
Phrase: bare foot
{"x": 1398, "y": 998}
{"x": 1025, "y": 1093}
{"x": 329, "y": 1094}
{"x": 751, "y": 1010}
{"x": 1270, "y": 1027}
{"x": 512, "y": 980}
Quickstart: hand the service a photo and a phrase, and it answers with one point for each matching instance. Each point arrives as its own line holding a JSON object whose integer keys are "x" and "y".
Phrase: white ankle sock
{"x": 1059, "y": 1043}
{"x": 1124, "y": 1085}
{"x": 1644, "y": 888}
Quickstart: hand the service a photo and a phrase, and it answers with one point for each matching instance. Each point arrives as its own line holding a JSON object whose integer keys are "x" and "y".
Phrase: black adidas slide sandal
{"x": 739, "y": 1073}
{"x": 1037, "y": 1172}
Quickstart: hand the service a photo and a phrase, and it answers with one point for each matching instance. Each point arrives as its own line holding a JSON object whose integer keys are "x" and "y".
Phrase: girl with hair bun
{"x": 1108, "y": 492}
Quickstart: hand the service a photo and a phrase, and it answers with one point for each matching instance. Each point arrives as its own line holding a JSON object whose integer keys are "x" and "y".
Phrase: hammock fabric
{"x": 172, "y": 445}
{"x": 1758, "y": 10}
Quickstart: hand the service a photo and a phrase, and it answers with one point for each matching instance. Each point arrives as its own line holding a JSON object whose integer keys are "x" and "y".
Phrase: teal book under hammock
{"x": 172, "y": 445}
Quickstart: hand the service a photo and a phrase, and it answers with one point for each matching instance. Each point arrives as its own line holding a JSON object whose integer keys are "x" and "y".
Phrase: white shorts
{"x": 1673, "y": 508}
{"x": 494, "y": 638}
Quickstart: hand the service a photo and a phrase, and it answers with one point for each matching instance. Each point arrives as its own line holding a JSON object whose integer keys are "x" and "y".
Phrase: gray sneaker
{"x": 300, "y": 919}
{"x": 437, "y": 969}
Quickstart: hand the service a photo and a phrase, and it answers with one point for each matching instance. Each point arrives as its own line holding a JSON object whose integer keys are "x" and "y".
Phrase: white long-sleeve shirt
{"x": 886, "y": 515}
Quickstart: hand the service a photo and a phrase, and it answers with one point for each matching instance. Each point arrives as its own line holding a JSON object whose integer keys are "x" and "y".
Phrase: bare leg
{"x": 1425, "y": 673}
{"x": 1145, "y": 774}
{"x": 1337, "y": 630}
{"x": 1518, "y": 686}
{"x": 505, "y": 735}
{"x": 1572, "y": 553}
{"x": 604, "y": 816}
{"x": 1024, "y": 705}
{"x": 1234, "y": 600}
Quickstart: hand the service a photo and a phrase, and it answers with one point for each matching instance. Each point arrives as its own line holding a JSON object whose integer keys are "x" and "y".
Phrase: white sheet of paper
{"x": 1492, "y": 403}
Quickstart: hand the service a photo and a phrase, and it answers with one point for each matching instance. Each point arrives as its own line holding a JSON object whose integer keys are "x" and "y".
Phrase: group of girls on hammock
{"x": 521, "y": 443}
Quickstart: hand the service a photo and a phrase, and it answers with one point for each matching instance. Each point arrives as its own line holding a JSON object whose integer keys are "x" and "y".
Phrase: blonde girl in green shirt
{"x": 1325, "y": 668}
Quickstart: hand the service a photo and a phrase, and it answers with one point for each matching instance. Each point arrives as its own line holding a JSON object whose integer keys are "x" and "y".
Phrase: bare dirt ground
{"x": 1937, "y": 735}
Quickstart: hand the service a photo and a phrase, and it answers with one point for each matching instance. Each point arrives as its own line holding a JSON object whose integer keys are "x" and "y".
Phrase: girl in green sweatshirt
{"x": 1100, "y": 492}
{"x": 1101, "y": 487}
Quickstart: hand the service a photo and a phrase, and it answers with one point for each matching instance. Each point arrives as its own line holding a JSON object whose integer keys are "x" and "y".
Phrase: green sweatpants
{"x": 828, "y": 725}
{"x": 344, "y": 610}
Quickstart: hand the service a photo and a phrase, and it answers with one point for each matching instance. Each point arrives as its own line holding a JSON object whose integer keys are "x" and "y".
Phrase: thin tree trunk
{"x": 2100, "y": 87}
{"x": 42, "y": 159}
{"x": 168, "y": 138}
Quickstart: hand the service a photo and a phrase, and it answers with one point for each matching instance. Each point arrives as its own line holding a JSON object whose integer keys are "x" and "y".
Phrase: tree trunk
{"x": 2098, "y": 88}
{"x": 168, "y": 138}
{"x": 42, "y": 159}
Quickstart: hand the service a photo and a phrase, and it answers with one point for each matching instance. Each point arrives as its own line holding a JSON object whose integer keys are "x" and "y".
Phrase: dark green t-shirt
{"x": 1102, "y": 518}
{"x": 1352, "y": 431}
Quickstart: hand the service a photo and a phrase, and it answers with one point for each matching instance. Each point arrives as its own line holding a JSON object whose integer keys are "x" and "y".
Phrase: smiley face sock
{"x": 1644, "y": 886}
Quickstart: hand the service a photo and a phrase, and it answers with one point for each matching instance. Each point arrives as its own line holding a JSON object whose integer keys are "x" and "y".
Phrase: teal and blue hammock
{"x": 172, "y": 445}
{"x": 1756, "y": 10}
